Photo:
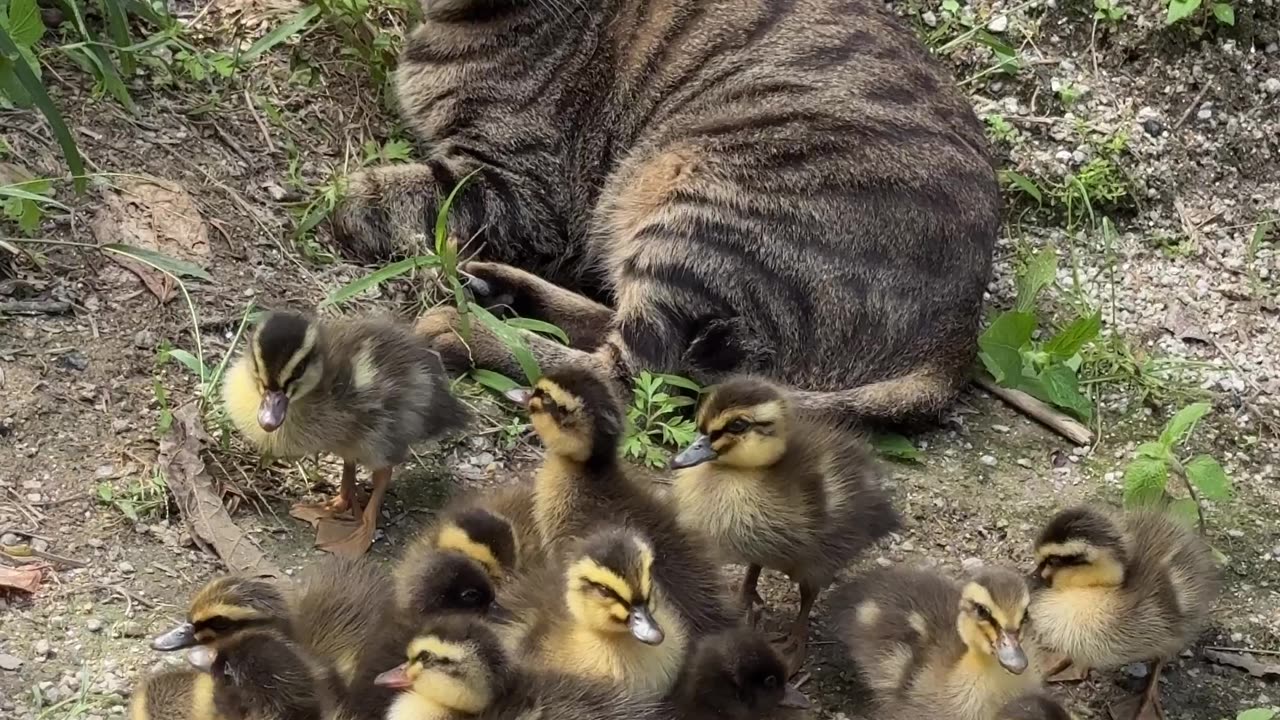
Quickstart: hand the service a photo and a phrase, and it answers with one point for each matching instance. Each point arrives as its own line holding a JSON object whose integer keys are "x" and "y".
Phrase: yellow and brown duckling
{"x": 582, "y": 485}
{"x": 365, "y": 390}
{"x": 924, "y": 641}
{"x": 768, "y": 489}
{"x": 457, "y": 564}
{"x": 603, "y": 611}
{"x": 458, "y": 669}
{"x": 1122, "y": 588}
{"x": 734, "y": 675}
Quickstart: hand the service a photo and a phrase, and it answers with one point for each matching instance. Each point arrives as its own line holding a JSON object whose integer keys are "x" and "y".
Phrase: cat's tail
{"x": 923, "y": 394}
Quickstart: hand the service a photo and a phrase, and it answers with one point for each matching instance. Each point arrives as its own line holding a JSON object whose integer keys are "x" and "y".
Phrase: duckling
{"x": 605, "y": 610}
{"x": 581, "y": 485}
{"x": 456, "y": 565}
{"x": 363, "y": 389}
{"x": 1036, "y": 705}
{"x": 1122, "y": 589}
{"x": 734, "y": 675}
{"x": 923, "y": 641}
{"x": 458, "y": 669}
{"x": 768, "y": 489}
{"x": 173, "y": 695}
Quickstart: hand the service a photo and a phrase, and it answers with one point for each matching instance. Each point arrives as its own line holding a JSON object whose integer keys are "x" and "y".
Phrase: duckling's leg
{"x": 795, "y": 643}
{"x": 1145, "y": 705}
{"x": 1062, "y": 669}
{"x": 341, "y": 538}
{"x": 342, "y": 502}
{"x": 750, "y": 596}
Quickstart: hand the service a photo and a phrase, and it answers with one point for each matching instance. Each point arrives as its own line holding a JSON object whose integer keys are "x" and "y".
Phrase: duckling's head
{"x": 742, "y": 423}
{"x": 1033, "y": 706}
{"x": 455, "y": 662}
{"x": 738, "y": 673}
{"x": 609, "y": 586}
{"x": 1081, "y": 547}
{"x": 239, "y": 665}
{"x": 993, "y": 609}
{"x": 482, "y": 535}
{"x": 223, "y": 609}
{"x": 285, "y": 362}
{"x": 576, "y": 413}
{"x": 451, "y": 582}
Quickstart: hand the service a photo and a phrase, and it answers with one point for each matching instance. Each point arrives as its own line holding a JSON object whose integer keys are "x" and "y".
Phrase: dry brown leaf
{"x": 26, "y": 579}
{"x": 1185, "y": 323}
{"x": 252, "y": 17}
{"x": 199, "y": 500}
{"x": 155, "y": 215}
{"x": 1245, "y": 662}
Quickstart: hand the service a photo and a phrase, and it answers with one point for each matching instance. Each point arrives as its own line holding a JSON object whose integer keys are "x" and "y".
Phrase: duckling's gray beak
{"x": 201, "y": 657}
{"x": 644, "y": 627}
{"x": 794, "y": 699}
{"x": 519, "y": 396}
{"x": 272, "y": 410}
{"x": 499, "y": 614}
{"x": 183, "y": 636}
{"x": 1009, "y": 652}
{"x": 696, "y": 454}
{"x": 396, "y": 678}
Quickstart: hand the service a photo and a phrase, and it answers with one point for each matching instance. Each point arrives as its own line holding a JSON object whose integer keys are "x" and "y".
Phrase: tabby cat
{"x": 791, "y": 188}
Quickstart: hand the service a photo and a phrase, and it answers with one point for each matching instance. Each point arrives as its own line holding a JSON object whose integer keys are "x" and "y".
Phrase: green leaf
{"x": 1063, "y": 389}
{"x": 539, "y": 326}
{"x": 191, "y": 362}
{"x": 25, "y": 26}
{"x": 377, "y": 277}
{"x": 1022, "y": 183}
{"x": 105, "y": 492}
{"x": 1209, "y": 478}
{"x": 1184, "y": 510}
{"x": 118, "y": 25}
{"x": 494, "y": 381}
{"x": 1153, "y": 451}
{"x": 893, "y": 445}
{"x": 1257, "y": 714}
{"x": 40, "y": 98}
{"x": 11, "y": 88}
{"x": 1182, "y": 423}
{"x": 1180, "y": 10}
{"x": 681, "y": 382}
{"x": 126, "y": 507}
{"x": 513, "y": 340}
{"x": 1224, "y": 13}
{"x": 285, "y": 31}
{"x": 951, "y": 6}
{"x": 19, "y": 190}
{"x": 1002, "y": 344}
{"x": 1040, "y": 273}
{"x": 1074, "y": 337}
{"x": 159, "y": 261}
{"x": 396, "y": 151}
{"x": 1144, "y": 482}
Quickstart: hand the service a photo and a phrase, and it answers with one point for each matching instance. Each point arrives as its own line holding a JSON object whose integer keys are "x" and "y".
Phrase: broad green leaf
{"x": 190, "y": 361}
{"x": 396, "y": 151}
{"x": 1153, "y": 451}
{"x": 126, "y": 507}
{"x": 494, "y": 381}
{"x": 1023, "y": 183}
{"x": 893, "y": 445}
{"x": 1063, "y": 389}
{"x": 40, "y": 98}
{"x": 1002, "y": 343}
{"x": 1180, "y": 10}
{"x": 1184, "y": 510}
{"x": 377, "y": 277}
{"x": 1257, "y": 714}
{"x": 1224, "y": 13}
{"x": 105, "y": 492}
{"x": 1074, "y": 337}
{"x": 539, "y": 326}
{"x": 159, "y": 261}
{"x": 681, "y": 382}
{"x": 1144, "y": 482}
{"x": 513, "y": 340}
{"x": 1182, "y": 423}
{"x": 1039, "y": 274}
{"x": 25, "y": 26}
{"x": 285, "y": 31}
{"x": 1209, "y": 478}
{"x": 11, "y": 87}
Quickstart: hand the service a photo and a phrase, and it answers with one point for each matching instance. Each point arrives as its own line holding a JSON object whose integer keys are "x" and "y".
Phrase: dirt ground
{"x": 1198, "y": 104}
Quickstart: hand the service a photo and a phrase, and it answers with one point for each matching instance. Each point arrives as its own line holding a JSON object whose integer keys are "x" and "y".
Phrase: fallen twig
{"x": 1250, "y": 651}
{"x": 1038, "y": 411}
{"x": 129, "y": 597}
{"x": 26, "y": 554}
{"x": 34, "y": 307}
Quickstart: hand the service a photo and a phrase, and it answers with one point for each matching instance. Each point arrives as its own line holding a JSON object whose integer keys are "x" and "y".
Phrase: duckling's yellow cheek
{"x": 618, "y": 613}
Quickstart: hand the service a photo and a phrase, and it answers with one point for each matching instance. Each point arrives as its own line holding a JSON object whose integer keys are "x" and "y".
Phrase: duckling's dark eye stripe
{"x": 221, "y": 624}
{"x": 605, "y": 589}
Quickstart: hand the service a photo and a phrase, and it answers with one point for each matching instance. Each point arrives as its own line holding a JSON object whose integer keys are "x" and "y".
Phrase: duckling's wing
{"x": 169, "y": 695}
{"x": 859, "y": 509}
{"x": 342, "y": 614}
{"x": 1171, "y": 577}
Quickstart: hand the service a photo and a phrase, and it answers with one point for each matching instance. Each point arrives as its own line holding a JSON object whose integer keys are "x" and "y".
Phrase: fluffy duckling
{"x": 457, "y": 565}
{"x": 173, "y": 695}
{"x": 768, "y": 489}
{"x": 924, "y": 641}
{"x": 1122, "y": 589}
{"x": 458, "y": 669}
{"x": 1036, "y": 705}
{"x": 365, "y": 390}
{"x": 734, "y": 675}
{"x": 604, "y": 611}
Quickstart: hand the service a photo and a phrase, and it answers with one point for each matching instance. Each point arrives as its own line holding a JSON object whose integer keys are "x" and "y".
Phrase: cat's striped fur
{"x": 786, "y": 187}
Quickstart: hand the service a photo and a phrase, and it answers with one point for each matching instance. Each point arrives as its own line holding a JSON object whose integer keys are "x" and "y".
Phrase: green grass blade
{"x": 681, "y": 382}
{"x": 191, "y": 362}
{"x": 291, "y": 27}
{"x": 40, "y": 98}
{"x": 118, "y": 26}
{"x": 442, "y": 226}
{"x": 164, "y": 263}
{"x": 513, "y": 340}
{"x": 538, "y": 326}
{"x": 16, "y": 192}
{"x": 377, "y": 277}
{"x": 494, "y": 381}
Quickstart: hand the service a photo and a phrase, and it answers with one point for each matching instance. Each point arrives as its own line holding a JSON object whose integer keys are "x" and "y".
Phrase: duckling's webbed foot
{"x": 1145, "y": 705}
{"x": 340, "y": 504}
{"x": 352, "y": 539}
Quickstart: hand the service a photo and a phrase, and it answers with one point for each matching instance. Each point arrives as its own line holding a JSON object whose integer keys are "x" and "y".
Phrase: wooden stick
{"x": 34, "y": 307}
{"x": 1038, "y": 411}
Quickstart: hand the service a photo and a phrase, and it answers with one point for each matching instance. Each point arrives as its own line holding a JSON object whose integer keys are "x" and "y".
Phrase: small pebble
{"x": 999, "y": 23}
{"x": 132, "y": 630}
{"x": 1023, "y": 462}
{"x": 1153, "y": 127}
{"x": 930, "y": 18}
{"x": 93, "y": 625}
{"x": 10, "y": 539}
{"x": 1272, "y": 86}
{"x": 988, "y": 460}
{"x": 40, "y": 545}
{"x": 1237, "y": 637}
{"x": 126, "y": 567}
{"x": 884, "y": 562}
{"x": 971, "y": 563}
{"x": 1000, "y": 428}
{"x": 9, "y": 662}
{"x": 43, "y": 649}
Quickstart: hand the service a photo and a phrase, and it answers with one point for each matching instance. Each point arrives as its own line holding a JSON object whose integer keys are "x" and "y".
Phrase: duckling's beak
{"x": 183, "y": 636}
{"x": 696, "y": 454}
{"x": 519, "y": 396}
{"x": 396, "y": 678}
{"x": 644, "y": 627}
{"x": 1009, "y": 652}
{"x": 793, "y": 698}
{"x": 201, "y": 657}
{"x": 499, "y": 614}
{"x": 272, "y": 410}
